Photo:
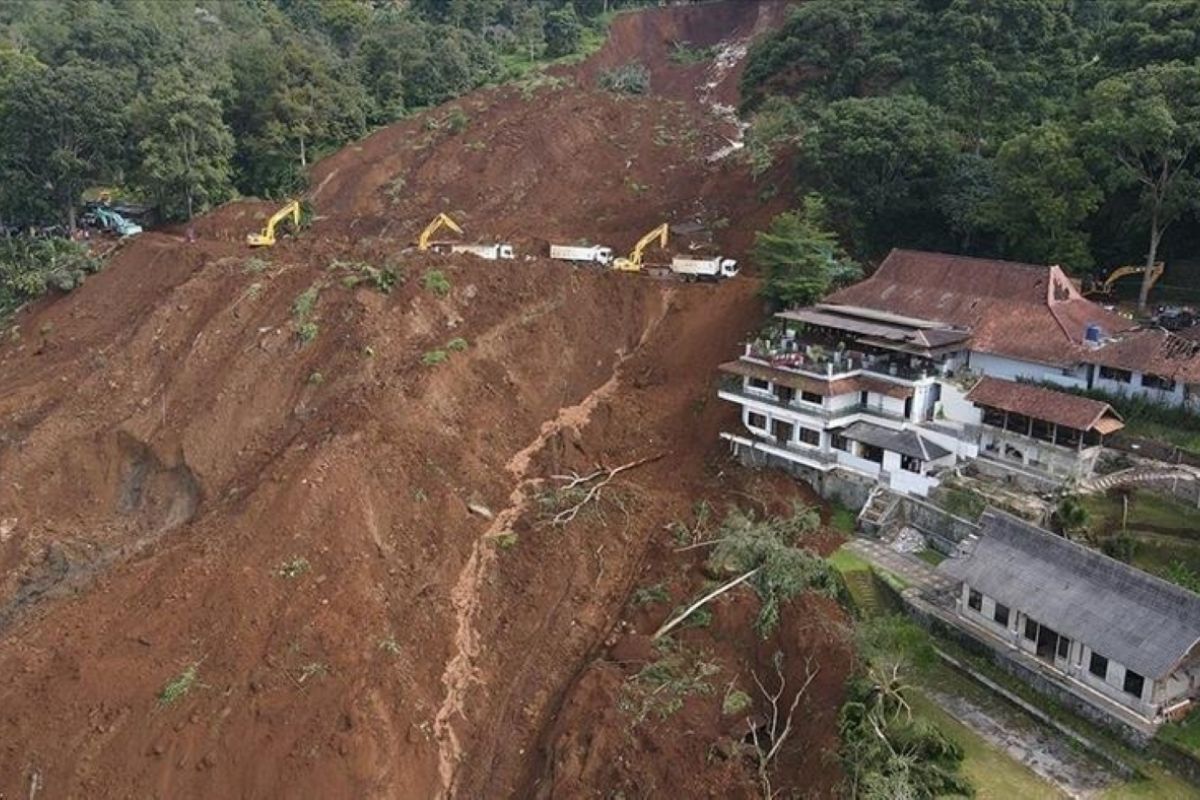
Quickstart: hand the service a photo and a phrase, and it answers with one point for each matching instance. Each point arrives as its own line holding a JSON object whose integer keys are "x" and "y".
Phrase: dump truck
{"x": 713, "y": 269}
{"x": 592, "y": 255}
{"x": 489, "y": 252}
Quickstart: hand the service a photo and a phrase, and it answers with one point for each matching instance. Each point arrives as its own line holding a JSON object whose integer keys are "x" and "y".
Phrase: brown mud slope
{"x": 268, "y": 531}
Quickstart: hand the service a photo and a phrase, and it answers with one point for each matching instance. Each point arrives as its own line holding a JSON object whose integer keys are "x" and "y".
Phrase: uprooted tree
{"x": 767, "y": 553}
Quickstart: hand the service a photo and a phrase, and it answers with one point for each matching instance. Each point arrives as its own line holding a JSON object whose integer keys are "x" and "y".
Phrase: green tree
{"x": 85, "y": 101}
{"x": 1144, "y": 129}
{"x": 529, "y": 26}
{"x": 1044, "y": 194}
{"x": 879, "y": 161}
{"x": 564, "y": 32}
{"x": 184, "y": 146}
{"x": 772, "y": 548}
{"x": 800, "y": 257}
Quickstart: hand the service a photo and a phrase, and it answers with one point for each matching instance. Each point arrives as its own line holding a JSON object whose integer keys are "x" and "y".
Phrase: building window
{"x": 811, "y": 397}
{"x": 1098, "y": 666}
{"x": 1000, "y": 615}
{"x": 756, "y": 420}
{"x": 1031, "y": 629}
{"x": 839, "y": 442}
{"x": 810, "y": 437}
{"x": 975, "y": 600}
{"x": 1157, "y": 382}
{"x": 1134, "y": 683}
{"x": 758, "y": 384}
{"x": 1064, "y": 647}
{"x": 1114, "y": 374}
{"x": 910, "y": 464}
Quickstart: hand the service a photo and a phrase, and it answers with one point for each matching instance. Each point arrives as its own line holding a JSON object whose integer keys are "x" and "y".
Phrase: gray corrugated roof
{"x": 904, "y": 442}
{"x": 1121, "y": 612}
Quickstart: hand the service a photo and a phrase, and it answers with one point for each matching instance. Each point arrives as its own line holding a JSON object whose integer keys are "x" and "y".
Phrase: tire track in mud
{"x": 460, "y": 671}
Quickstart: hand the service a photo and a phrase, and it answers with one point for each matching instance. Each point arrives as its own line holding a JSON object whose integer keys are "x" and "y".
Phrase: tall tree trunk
{"x": 1151, "y": 254}
{"x": 71, "y": 221}
{"x": 303, "y": 154}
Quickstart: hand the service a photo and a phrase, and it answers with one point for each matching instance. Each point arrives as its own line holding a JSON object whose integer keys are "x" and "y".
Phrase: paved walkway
{"x": 1136, "y": 475}
{"x": 913, "y": 570}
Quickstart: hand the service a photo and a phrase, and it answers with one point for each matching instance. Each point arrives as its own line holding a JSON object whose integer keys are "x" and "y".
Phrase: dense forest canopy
{"x": 1053, "y": 131}
{"x": 190, "y": 102}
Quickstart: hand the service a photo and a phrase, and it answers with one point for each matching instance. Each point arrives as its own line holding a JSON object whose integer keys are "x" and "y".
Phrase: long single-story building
{"x": 1105, "y": 627}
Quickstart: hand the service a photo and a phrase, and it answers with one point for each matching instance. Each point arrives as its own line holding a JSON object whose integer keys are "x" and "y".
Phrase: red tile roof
{"x": 1061, "y": 408}
{"x": 1157, "y": 352}
{"x": 1018, "y": 310}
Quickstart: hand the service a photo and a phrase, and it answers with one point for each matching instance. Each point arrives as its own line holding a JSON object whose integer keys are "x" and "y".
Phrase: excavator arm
{"x": 439, "y": 222}
{"x": 267, "y": 237}
{"x": 634, "y": 262}
{"x": 1120, "y": 272}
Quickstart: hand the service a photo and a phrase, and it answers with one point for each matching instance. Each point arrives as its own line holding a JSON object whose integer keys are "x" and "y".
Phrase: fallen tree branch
{"x": 667, "y": 627}
{"x": 593, "y": 493}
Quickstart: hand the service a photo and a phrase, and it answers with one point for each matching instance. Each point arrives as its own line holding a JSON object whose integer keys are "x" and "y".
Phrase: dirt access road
{"x": 258, "y": 538}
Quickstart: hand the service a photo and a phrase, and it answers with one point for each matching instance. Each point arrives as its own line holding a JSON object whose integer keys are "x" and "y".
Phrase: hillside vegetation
{"x": 188, "y": 103}
{"x": 1041, "y": 130}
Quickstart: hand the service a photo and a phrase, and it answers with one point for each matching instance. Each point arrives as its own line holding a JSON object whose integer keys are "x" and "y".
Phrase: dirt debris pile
{"x": 269, "y": 529}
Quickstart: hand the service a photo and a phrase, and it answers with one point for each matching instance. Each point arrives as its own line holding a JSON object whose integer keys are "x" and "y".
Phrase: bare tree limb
{"x": 667, "y": 627}
{"x": 605, "y": 477}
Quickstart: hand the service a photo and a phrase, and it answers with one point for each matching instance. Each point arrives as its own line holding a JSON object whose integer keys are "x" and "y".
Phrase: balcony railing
{"x": 818, "y": 363}
{"x": 736, "y": 389}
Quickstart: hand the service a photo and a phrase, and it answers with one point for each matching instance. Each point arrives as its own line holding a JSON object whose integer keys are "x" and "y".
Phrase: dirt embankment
{"x": 318, "y": 511}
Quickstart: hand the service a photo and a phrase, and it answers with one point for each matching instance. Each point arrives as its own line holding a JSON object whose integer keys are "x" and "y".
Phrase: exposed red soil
{"x": 324, "y": 531}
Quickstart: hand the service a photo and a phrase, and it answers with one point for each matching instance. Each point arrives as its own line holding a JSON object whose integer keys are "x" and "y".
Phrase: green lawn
{"x": 931, "y": 557}
{"x": 991, "y": 771}
{"x": 842, "y": 519}
{"x": 844, "y": 561}
{"x": 1167, "y": 531}
{"x": 1185, "y": 734}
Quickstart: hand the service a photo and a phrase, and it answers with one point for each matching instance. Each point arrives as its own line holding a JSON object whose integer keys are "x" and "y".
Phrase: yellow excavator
{"x": 634, "y": 262}
{"x": 267, "y": 237}
{"x": 439, "y": 222}
{"x": 1106, "y": 286}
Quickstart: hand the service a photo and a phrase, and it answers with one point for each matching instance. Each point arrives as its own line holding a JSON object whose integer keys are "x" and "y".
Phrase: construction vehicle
{"x": 591, "y": 255}
{"x": 267, "y": 237}
{"x": 424, "y": 242}
{"x": 489, "y": 252}
{"x": 106, "y": 218}
{"x": 635, "y": 261}
{"x": 1106, "y": 286}
{"x": 704, "y": 268}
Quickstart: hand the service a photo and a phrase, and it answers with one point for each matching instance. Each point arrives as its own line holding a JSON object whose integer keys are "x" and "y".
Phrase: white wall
{"x": 956, "y": 407}
{"x": 1012, "y": 369}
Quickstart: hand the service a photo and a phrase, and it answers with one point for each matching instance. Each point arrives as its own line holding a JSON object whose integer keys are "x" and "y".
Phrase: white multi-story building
{"x": 934, "y": 359}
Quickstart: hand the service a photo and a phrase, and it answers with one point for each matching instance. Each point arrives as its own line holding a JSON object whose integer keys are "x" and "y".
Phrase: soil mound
{"x": 280, "y": 522}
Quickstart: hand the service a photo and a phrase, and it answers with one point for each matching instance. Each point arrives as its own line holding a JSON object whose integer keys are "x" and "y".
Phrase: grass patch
{"x": 436, "y": 282}
{"x": 843, "y": 519}
{"x": 302, "y": 310}
{"x": 646, "y": 595}
{"x": 293, "y": 569}
{"x": 961, "y": 503}
{"x": 735, "y": 702}
{"x": 1162, "y": 535}
{"x": 931, "y": 557}
{"x": 382, "y": 279}
{"x": 431, "y": 358}
{"x": 994, "y": 775}
{"x": 845, "y": 560}
{"x": 178, "y": 687}
{"x": 1184, "y": 734}
{"x": 507, "y": 541}
{"x": 457, "y": 345}
{"x": 685, "y": 53}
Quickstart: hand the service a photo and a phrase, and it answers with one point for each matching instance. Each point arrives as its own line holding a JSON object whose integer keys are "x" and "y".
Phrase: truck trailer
{"x": 488, "y": 252}
{"x": 592, "y": 255}
{"x": 713, "y": 269}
